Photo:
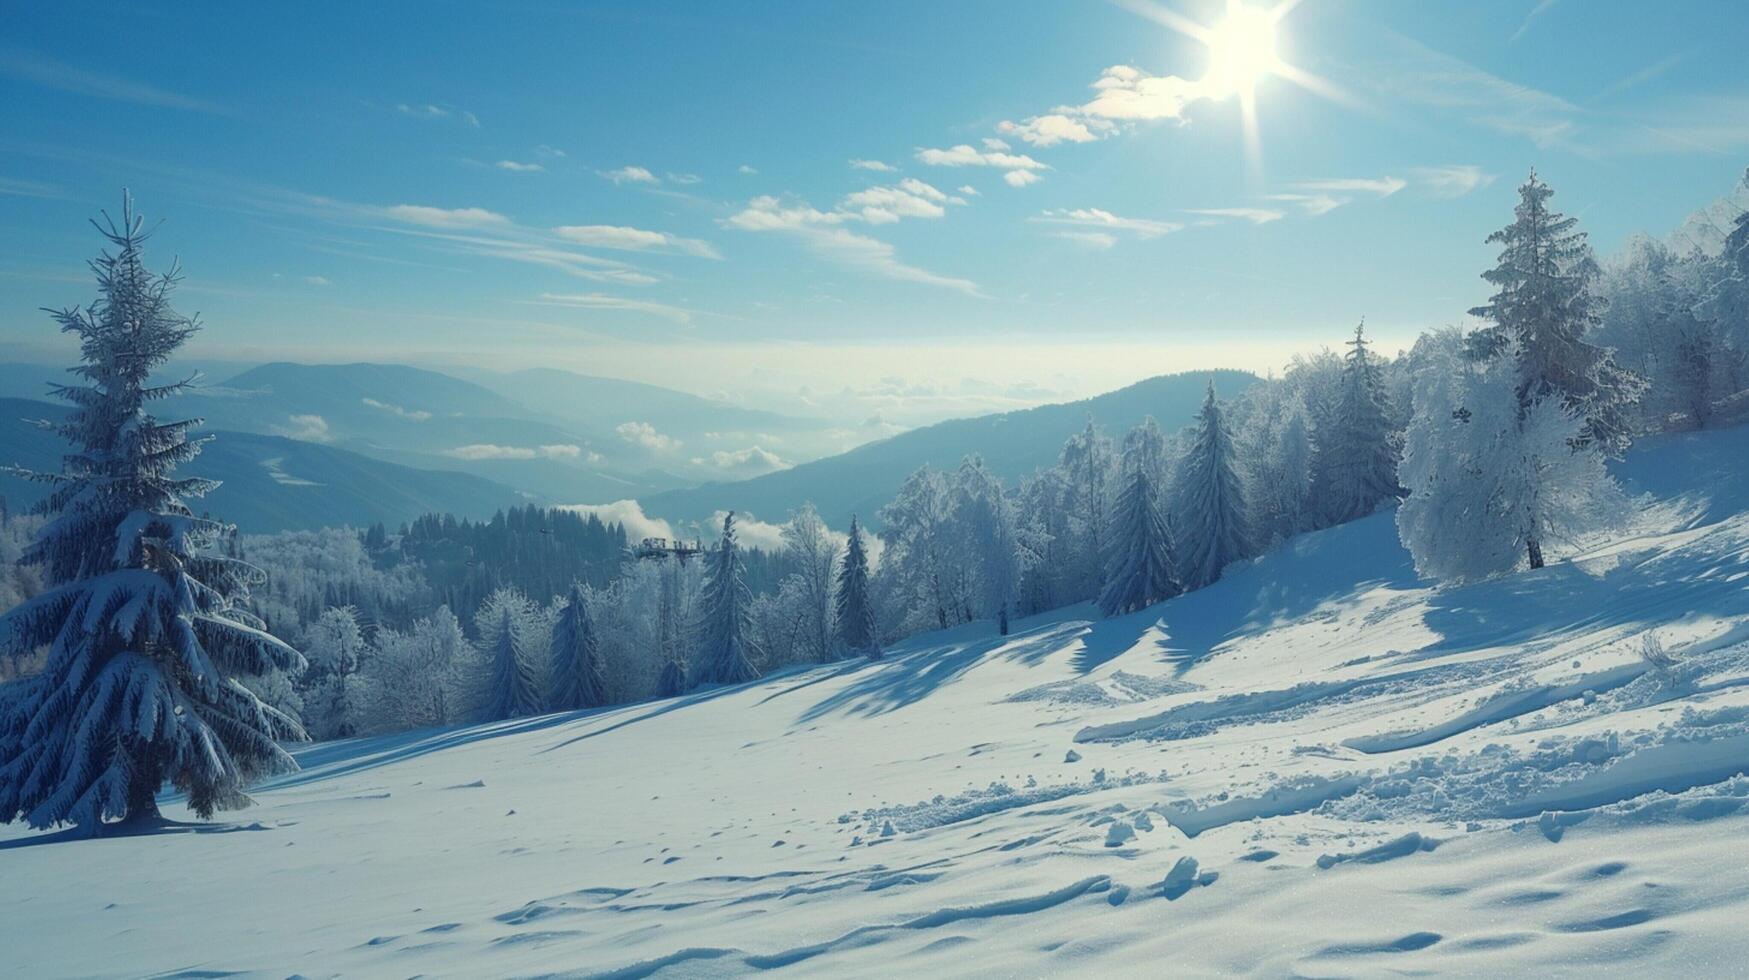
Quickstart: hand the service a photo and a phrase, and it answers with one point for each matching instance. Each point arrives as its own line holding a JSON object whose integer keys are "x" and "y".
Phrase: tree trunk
{"x": 143, "y": 784}
{"x": 1002, "y": 620}
{"x": 1535, "y": 548}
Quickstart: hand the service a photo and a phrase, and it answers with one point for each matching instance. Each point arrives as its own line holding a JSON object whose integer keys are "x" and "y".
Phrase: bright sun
{"x": 1241, "y": 50}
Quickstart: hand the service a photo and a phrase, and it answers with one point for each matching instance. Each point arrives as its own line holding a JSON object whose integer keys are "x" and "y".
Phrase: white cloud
{"x": 875, "y": 165}
{"x": 1414, "y": 73}
{"x": 412, "y": 414}
{"x": 1257, "y": 216}
{"x": 629, "y": 239}
{"x": 430, "y": 217}
{"x": 968, "y": 190}
{"x": 746, "y": 170}
{"x": 487, "y": 451}
{"x": 520, "y": 168}
{"x": 884, "y": 205}
{"x": 1091, "y": 239}
{"x": 602, "y": 301}
{"x": 644, "y": 434}
{"x": 749, "y": 462}
{"x": 1020, "y": 178}
{"x": 966, "y": 155}
{"x": 1127, "y": 94}
{"x": 751, "y": 532}
{"x": 631, "y": 175}
{"x": 819, "y": 231}
{"x": 426, "y": 110}
{"x": 1098, "y": 218}
{"x": 1050, "y": 129}
{"x": 1311, "y": 204}
{"x": 628, "y": 514}
{"x": 1452, "y": 180}
{"x": 47, "y": 72}
{"x": 549, "y": 151}
{"x": 684, "y": 179}
{"x": 1381, "y": 186}
{"x": 317, "y": 281}
{"x": 306, "y": 428}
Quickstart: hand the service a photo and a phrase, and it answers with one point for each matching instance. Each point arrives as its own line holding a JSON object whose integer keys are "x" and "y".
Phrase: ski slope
{"x": 1317, "y": 766}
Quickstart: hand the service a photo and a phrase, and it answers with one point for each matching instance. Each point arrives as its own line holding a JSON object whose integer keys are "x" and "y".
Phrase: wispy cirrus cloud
{"x": 1257, "y": 216}
{"x": 875, "y": 165}
{"x": 1451, "y": 180}
{"x": 433, "y": 217}
{"x": 431, "y": 110}
{"x": 46, "y": 72}
{"x": 518, "y": 167}
{"x": 1095, "y": 226}
{"x": 481, "y": 451}
{"x": 602, "y": 301}
{"x": 628, "y": 239}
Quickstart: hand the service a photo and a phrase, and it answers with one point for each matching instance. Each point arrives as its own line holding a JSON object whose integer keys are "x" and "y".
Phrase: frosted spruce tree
{"x": 854, "y": 605}
{"x": 1141, "y": 570}
{"x": 1490, "y": 486}
{"x": 509, "y": 689}
{"x": 1360, "y": 446}
{"x": 335, "y": 646}
{"x": 1543, "y": 307}
{"x": 809, "y": 547}
{"x": 578, "y": 680}
{"x": 989, "y": 538}
{"x": 144, "y": 619}
{"x": 724, "y": 623}
{"x": 1087, "y": 462}
{"x": 1210, "y": 524}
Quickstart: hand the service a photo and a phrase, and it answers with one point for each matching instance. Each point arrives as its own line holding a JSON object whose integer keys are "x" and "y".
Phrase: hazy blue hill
{"x": 589, "y": 399}
{"x": 272, "y": 483}
{"x": 1013, "y": 444}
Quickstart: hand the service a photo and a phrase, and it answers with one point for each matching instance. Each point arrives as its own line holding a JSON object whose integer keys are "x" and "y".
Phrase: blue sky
{"x": 670, "y": 192}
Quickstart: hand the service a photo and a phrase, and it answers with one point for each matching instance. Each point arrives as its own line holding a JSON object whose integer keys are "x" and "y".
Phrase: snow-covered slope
{"x": 1316, "y": 766}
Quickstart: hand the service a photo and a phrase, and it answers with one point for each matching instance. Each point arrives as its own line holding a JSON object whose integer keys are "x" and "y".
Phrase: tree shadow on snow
{"x": 139, "y": 828}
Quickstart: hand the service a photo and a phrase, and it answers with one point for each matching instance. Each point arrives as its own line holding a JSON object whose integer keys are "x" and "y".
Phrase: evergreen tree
{"x": 1140, "y": 571}
{"x": 510, "y": 690}
{"x": 990, "y": 541}
{"x": 1210, "y": 529}
{"x": 1360, "y": 446}
{"x": 1543, "y": 308}
{"x": 145, "y": 622}
{"x": 854, "y": 606}
{"x": 672, "y": 683}
{"x": 1087, "y": 461}
{"x": 336, "y": 646}
{"x": 1491, "y": 486}
{"x": 724, "y": 616}
{"x": 578, "y": 680}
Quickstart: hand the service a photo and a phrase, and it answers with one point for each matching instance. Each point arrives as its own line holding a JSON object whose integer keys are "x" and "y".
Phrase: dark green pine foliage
{"x": 1361, "y": 447}
{"x": 1210, "y": 522}
{"x": 725, "y": 623}
{"x": 854, "y": 606}
{"x": 146, "y": 619}
{"x": 511, "y": 691}
{"x": 578, "y": 680}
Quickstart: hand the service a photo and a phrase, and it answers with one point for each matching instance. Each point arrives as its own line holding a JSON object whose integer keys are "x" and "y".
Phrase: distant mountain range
{"x": 1013, "y": 444}
{"x": 304, "y": 445}
{"x": 270, "y": 483}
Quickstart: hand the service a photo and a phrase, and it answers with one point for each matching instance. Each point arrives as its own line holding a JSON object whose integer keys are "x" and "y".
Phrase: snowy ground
{"x": 1318, "y": 766}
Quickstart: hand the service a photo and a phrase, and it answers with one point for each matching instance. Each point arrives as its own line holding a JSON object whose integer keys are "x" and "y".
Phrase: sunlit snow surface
{"x": 1318, "y": 766}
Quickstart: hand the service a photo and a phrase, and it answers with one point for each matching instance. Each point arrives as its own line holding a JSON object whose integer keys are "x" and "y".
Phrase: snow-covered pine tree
{"x": 808, "y": 545}
{"x": 854, "y": 610}
{"x": 990, "y": 539}
{"x": 509, "y": 689}
{"x": 337, "y": 699}
{"x": 1360, "y": 446}
{"x": 1543, "y": 309}
{"x": 1141, "y": 570}
{"x": 1087, "y": 461}
{"x": 146, "y": 623}
{"x": 919, "y": 559}
{"x": 1210, "y": 520}
{"x": 724, "y": 624}
{"x": 578, "y": 680}
{"x": 1489, "y": 486}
